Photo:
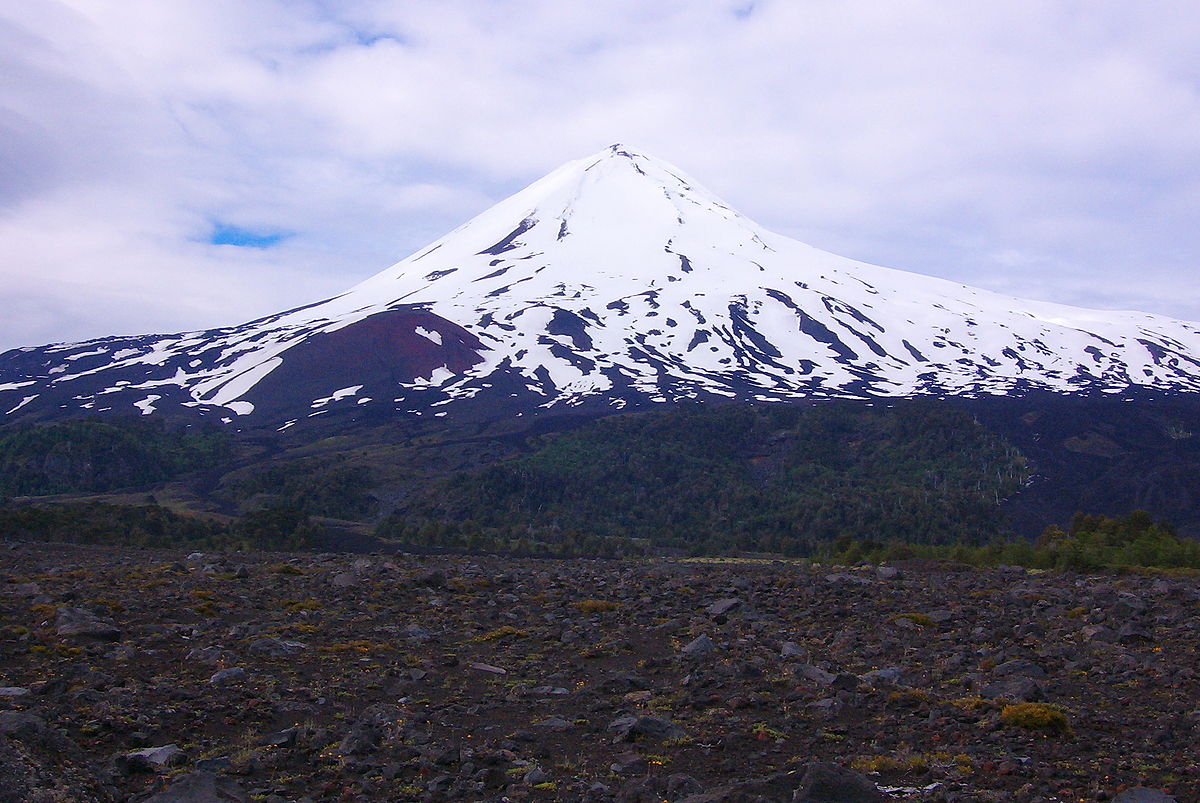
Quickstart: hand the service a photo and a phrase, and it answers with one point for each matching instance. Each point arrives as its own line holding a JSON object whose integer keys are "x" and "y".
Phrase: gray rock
{"x": 890, "y": 674}
{"x": 630, "y": 727}
{"x": 680, "y": 784}
{"x": 343, "y": 580}
{"x": 723, "y": 606}
{"x": 201, "y": 787}
{"x": 1128, "y": 605}
{"x": 851, "y": 579}
{"x": 815, "y": 674}
{"x": 549, "y": 691}
{"x": 629, "y": 764}
{"x": 209, "y": 655}
{"x": 1132, "y": 634}
{"x": 21, "y": 724}
{"x": 417, "y": 633}
{"x": 1143, "y": 794}
{"x": 81, "y": 623}
{"x": 231, "y": 675}
{"x": 1019, "y": 667}
{"x": 827, "y": 708}
{"x": 555, "y": 724}
{"x": 1016, "y": 688}
{"x": 276, "y": 648}
{"x": 699, "y": 647}
{"x": 9, "y": 692}
{"x": 151, "y": 759}
{"x": 888, "y": 573}
{"x": 829, "y": 783}
{"x": 791, "y": 649}
{"x": 284, "y": 738}
{"x": 1099, "y": 634}
{"x": 536, "y": 776}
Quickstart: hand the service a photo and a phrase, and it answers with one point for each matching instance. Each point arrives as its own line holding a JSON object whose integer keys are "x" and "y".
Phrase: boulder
{"x": 201, "y": 787}
{"x": 699, "y": 647}
{"x": 1143, "y": 794}
{"x": 81, "y": 623}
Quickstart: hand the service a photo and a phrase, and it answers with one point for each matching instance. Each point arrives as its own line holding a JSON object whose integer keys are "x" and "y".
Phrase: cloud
{"x": 1024, "y": 147}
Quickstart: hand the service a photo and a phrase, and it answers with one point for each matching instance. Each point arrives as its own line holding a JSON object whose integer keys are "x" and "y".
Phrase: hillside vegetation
{"x": 94, "y": 456}
{"x": 708, "y": 480}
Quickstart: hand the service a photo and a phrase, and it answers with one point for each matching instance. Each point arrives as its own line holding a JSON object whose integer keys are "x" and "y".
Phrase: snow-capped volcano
{"x": 614, "y": 279}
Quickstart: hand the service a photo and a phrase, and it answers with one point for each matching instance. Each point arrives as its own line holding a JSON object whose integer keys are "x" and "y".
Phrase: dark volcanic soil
{"x": 344, "y": 678}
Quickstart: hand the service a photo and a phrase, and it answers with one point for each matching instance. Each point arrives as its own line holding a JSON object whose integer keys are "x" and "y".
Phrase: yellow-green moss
{"x": 1036, "y": 717}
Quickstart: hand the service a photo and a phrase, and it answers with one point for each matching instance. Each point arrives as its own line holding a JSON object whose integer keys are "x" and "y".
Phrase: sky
{"x": 168, "y": 165}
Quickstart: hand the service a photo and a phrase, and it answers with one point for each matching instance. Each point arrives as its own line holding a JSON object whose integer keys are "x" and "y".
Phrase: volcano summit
{"x": 614, "y": 281}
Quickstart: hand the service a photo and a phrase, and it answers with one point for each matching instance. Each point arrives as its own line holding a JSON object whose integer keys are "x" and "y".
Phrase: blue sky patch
{"x": 226, "y": 234}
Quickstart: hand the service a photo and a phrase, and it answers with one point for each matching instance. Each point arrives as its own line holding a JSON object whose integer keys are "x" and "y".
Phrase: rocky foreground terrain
{"x": 135, "y": 675}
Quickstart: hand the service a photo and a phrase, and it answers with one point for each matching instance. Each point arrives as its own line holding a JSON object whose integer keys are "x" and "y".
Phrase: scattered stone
{"x": 1133, "y": 634}
{"x": 1143, "y": 794}
{"x": 21, "y": 724}
{"x": 555, "y": 724}
{"x": 151, "y": 759}
{"x": 81, "y": 623}
{"x": 201, "y": 787}
{"x": 700, "y": 647}
{"x": 791, "y": 649}
{"x": 224, "y": 677}
{"x": 805, "y": 668}
{"x": 830, "y": 783}
{"x": 276, "y": 648}
{"x": 630, "y": 728}
{"x": 629, "y": 764}
{"x": 814, "y": 674}
{"x": 1015, "y": 688}
{"x": 891, "y": 674}
{"x": 343, "y": 580}
{"x": 723, "y": 606}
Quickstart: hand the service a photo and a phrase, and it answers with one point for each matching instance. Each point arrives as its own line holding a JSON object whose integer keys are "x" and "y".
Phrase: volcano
{"x": 615, "y": 281}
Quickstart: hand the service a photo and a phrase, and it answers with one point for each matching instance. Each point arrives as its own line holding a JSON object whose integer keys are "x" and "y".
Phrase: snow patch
{"x": 146, "y": 405}
{"x": 337, "y": 395}
{"x": 436, "y": 337}
{"x": 24, "y": 402}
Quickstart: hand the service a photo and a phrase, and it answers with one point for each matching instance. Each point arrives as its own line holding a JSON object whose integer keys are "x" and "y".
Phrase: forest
{"x": 840, "y": 483}
{"x": 718, "y": 479}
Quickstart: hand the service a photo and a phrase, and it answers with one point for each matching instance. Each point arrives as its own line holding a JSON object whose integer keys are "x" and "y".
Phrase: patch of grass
{"x": 762, "y": 732}
{"x": 919, "y": 619}
{"x": 971, "y": 703}
{"x": 899, "y": 764}
{"x": 302, "y": 605}
{"x": 362, "y": 646}
{"x": 1036, "y": 717}
{"x": 595, "y": 605}
{"x": 501, "y": 633}
{"x": 284, "y": 568}
{"x": 909, "y": 698}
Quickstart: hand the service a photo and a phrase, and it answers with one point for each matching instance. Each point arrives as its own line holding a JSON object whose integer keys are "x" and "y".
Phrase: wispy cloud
{"x": 1027, "y": 146}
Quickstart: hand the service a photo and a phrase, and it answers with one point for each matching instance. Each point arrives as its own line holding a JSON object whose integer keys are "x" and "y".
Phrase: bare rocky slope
{"x": 140, "y": 675}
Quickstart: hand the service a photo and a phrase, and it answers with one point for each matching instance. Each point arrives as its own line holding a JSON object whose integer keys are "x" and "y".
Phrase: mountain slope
{"x": 614, "y": 280}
